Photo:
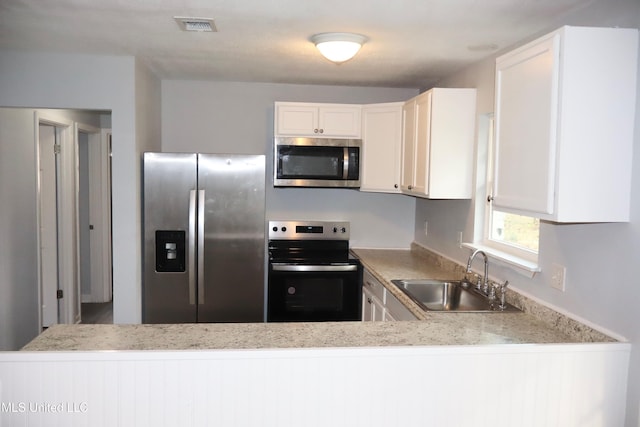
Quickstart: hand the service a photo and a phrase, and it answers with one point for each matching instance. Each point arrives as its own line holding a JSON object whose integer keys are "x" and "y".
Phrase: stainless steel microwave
{"x": 316, "y": 162}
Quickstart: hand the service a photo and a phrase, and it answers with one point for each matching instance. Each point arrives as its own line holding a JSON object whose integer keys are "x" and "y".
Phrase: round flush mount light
{"x": 338, "y": 47}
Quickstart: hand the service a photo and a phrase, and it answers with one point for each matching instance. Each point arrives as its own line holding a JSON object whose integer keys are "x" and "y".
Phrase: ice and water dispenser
{"x": 170, "y": 251}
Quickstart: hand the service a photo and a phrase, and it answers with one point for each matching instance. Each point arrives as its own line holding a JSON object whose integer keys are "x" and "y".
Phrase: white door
{"x": 59, "y": 211}
{"x": 94, "y": 215}
{"x": 48, "y": 224}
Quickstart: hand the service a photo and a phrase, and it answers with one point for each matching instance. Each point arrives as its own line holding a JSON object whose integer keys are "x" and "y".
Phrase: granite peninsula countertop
{"x": 433, "y": 329}
{"x": 456, "y": 329}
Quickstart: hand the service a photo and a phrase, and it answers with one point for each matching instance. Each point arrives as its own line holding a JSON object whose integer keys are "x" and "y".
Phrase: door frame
{"x": 47, "y": 224}
{"x": 67, "y": 236}
{"x": 107, "y": 236}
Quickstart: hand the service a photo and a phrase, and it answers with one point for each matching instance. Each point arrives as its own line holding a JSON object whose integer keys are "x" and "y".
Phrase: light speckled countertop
{"x": 537, "y": 322}
{"x": 434, "y": 329}
{"x": 456, "y": 329}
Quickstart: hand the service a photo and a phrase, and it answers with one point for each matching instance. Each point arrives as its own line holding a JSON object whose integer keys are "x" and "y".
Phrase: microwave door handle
{"x": 345, "y": 163}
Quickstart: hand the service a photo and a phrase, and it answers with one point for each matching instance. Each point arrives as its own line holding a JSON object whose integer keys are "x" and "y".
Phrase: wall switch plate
{"x": 558, "y": 273}
{"x": 425, "y": 228}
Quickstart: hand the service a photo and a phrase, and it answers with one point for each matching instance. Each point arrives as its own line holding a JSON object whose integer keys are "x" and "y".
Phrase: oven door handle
{"x": 312, "y": 268}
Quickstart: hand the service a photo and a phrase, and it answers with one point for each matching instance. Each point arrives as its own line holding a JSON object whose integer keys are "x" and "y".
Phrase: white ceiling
{"x": 412, "y": 43}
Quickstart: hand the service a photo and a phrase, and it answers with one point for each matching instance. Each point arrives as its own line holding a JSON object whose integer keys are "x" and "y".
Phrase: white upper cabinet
{"x": 381, "y": 147}
{"x": 300, "y": 119}
{"x": 564, "y": 118}
{"x": 438, "y": 141}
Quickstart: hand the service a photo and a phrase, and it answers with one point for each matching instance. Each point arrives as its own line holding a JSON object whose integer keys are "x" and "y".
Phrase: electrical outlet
{"x": 425, "y": 228}
{"x": 558, "y": 273}
{"x": 459, "y": 239}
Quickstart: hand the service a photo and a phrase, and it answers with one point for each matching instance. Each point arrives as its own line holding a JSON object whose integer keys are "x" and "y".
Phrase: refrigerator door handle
{"x": 192, "y": 247}
{"x": 200, "y": 246}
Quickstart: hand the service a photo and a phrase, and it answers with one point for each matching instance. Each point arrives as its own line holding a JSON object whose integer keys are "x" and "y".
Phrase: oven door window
{"x": 303, "y": 162}
{"x": 314, "y": 296}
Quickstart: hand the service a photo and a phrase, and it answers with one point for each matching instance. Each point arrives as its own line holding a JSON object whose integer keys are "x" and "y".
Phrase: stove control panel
{"x": 308, "y": 230}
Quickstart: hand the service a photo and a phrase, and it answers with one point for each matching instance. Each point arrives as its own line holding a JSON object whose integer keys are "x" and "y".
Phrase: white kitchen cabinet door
{"x": 372, "y": 298}
{"x": 395, "y": 309}
{"x": 438, "y": 141}
{"x": 296, "y": 119}
{"x": 378, "y": 304}
{"x": 526, "y": 106}
{"x": 565, "y": 109}
{"x": 340, "y": 120}
{"x": 381, "y": 147}
{"x": 388, "y": 317}
{"x": 372, "y": 307}
{"x": 317, "y": 120}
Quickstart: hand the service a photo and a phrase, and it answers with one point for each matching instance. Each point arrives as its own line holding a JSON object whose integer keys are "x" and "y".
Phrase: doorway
{"x": 74, "y": 215}
{"x": 94, "y": 221}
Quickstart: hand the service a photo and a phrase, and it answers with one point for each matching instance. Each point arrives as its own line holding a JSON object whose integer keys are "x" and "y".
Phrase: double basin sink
{"x": 449, "y": 296}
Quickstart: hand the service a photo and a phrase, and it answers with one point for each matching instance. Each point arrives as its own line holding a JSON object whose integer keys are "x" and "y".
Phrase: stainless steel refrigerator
{"x": 204, "y": 241}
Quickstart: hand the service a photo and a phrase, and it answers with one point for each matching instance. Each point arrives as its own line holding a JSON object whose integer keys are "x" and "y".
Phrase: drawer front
{"x": 372, "y": 284}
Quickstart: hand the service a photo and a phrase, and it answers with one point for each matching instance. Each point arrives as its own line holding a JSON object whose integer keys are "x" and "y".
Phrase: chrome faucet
{"x": 485, "y": 283}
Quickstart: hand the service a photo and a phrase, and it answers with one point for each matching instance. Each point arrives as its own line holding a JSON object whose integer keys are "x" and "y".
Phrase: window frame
{"x": 529, "y": 256}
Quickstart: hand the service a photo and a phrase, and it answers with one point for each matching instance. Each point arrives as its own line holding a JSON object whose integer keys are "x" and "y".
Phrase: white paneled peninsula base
{"x": 497, "y": 369}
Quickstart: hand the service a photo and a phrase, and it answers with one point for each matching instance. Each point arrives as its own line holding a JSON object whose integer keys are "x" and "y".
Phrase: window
{"x": 515, "y": 235}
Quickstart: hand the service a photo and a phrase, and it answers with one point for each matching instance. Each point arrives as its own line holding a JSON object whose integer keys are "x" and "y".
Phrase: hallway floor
{"x": 97, "y": 313}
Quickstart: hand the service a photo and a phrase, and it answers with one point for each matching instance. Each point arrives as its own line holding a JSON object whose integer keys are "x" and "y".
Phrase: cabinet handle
{"x": 395, "y": 185}
{"x": 410, "y": 187}
{"x": 321, "y": 130}
{"x": 369, "y": 300}
{"x": 489, "y": 198}
{"x": 315, "y": 131}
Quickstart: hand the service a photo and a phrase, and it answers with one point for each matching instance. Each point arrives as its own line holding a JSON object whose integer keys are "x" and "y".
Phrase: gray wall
{"x": 602, "y": 278}
{"x": 238, "y": 117}
{"x": 118, "y": 84}
{"x": 18, "y": 223}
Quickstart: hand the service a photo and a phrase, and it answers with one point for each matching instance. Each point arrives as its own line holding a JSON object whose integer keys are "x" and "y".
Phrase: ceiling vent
{"x": 196, "y": 24}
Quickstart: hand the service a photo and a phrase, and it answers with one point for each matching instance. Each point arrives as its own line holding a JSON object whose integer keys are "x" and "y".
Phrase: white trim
{"x": 105, "y": 146}
{"x": 522, "y": 259}
{"x": 63, "y": 129}
{"x": 68, "y": 218}
{"x": 36, "y": 141}
{"x": 522, "y": 266}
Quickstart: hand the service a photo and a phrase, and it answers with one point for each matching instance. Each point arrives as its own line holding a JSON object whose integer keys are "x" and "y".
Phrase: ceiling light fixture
{"x": 338, "y": 47}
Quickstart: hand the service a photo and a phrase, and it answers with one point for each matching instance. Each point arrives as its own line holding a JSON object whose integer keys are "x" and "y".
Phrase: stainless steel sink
{"x": 445, "y": 295}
